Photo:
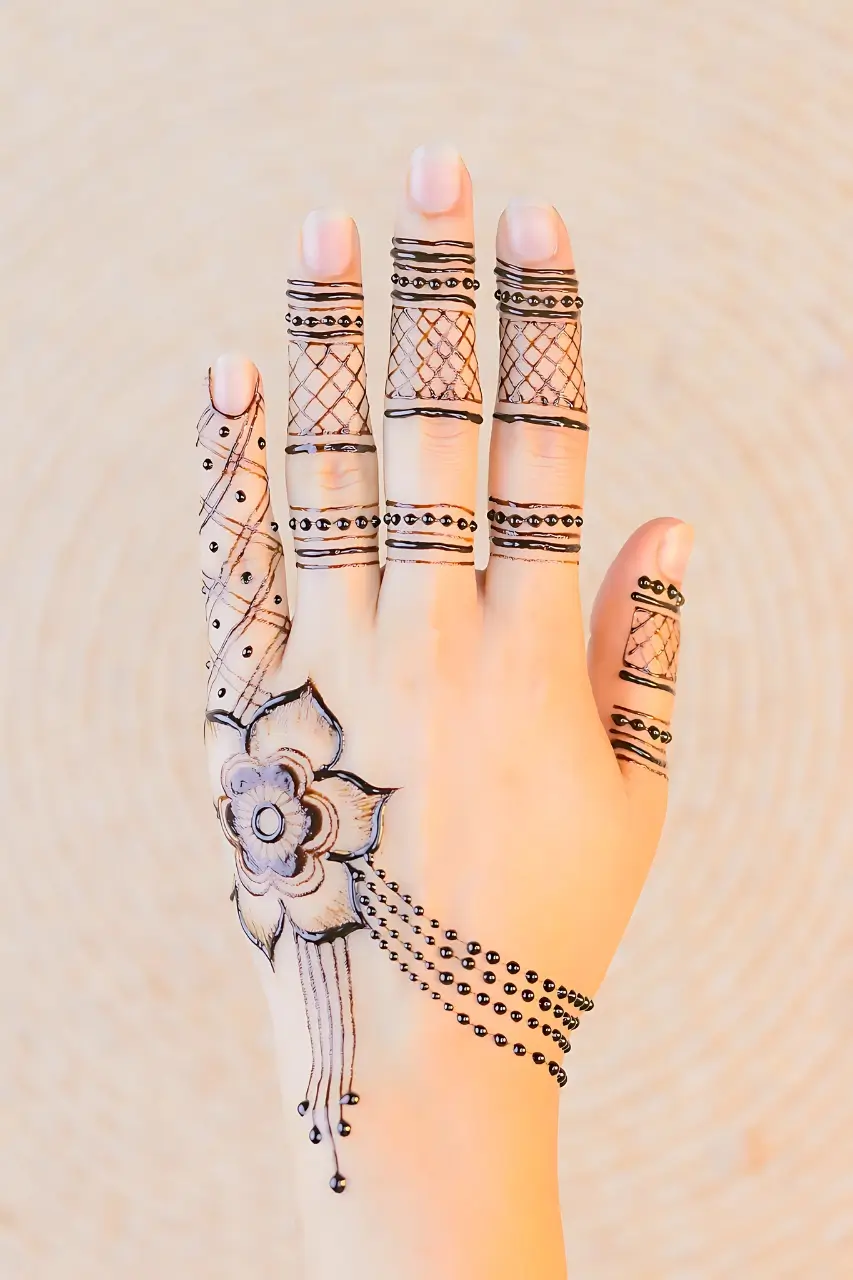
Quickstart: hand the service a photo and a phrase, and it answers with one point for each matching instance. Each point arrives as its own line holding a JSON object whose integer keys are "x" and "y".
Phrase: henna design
{"x": 242, "y": 565}
{"x": 640, "y": 738}
{"x": 328, "y": 379}
{"x": 335, "y": 537}
{"x": 430, "y": 533}
{"x": 545, "y": 531}
{"x": 433, "y": 355}
{"x": 304, "y": 834}
{"x": 540, "y": 346}
{"x": 651, "y": 650}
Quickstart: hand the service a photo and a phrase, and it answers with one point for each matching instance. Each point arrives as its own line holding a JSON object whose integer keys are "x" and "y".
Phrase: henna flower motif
{"x": 294, "y": 821}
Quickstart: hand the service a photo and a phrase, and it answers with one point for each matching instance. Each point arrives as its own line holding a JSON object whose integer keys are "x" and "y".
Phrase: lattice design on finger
{"x": 654, "y": 636}
{"x": 243, "y": 580}
{"x": 540, "y": 363}
{"x": 433, "y": 356}
{"x": 328, "y": 389}
{"x": 544, "y": 531}
{"x": 430, "y": 533}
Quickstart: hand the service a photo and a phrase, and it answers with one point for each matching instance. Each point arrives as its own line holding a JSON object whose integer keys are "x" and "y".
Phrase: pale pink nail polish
{"x": 233, "y": 381}
{"x": 435, "y": 178}
{"x": 674, "y": 551}
{"x": 328, "y": 242}
{"x": 533, "y": 230}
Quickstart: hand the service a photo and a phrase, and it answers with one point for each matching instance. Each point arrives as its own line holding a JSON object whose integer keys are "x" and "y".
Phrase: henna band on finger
{"x": 430, "y": 533}
{"x": 639, "y": 738}
{"x": 328, "y": 411}
{"x": 535, "y": 530}
{"x": 335, "y": 537}
{"x": 651, "y": 650}
{"x": 540, "y": 347}
{"x": 433, "y": 354}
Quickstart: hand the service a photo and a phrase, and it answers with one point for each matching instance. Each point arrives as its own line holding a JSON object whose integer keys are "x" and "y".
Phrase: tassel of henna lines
{"x": 328, "y": 1045}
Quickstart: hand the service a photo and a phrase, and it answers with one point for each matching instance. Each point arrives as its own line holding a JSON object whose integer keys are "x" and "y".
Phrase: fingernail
{"x": 233, "y": 380}
{"x": 328, "y": 242}
{"x": 674, "y": 551}
{"x": 532, "y": 230}
{"x": 435, "y": 177}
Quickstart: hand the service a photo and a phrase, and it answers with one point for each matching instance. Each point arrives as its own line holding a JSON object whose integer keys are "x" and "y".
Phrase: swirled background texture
{"x": 157, "y": 157}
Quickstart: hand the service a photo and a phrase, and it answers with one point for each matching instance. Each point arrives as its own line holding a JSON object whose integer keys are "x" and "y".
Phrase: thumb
{"x": 635, "y": 633}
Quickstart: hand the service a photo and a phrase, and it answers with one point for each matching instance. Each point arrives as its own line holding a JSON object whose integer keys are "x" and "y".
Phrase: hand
{"x": 440, "y": 813}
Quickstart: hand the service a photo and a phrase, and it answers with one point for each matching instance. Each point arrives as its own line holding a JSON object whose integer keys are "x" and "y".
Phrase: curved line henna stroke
{"x": 304, "y": 835}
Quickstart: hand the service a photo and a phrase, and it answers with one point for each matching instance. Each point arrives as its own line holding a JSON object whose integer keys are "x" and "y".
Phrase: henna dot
{"x": 548, "y": 985}
{"x": 568, "y": 521}
{"x": 338, "y": 1183}
{"x": 489, "y": 977}
{"x": 315, "y": 1135}
{"x": 480, "y": 1030}
{"x": 516, "y": 1016}
{"x": 657, "y": 586}
{"x": 274, "y": 526}
{"x": 447, "y": 521}
{"x": 559, "y": 1011}
{"x": 462, "y": 522}
{"x": 207, "y": 464}
{"x": 552, "y": 520}
{"x": 435, "y": 284}
{"x": 474, "y": 948}
{"x": 519, "y": 1050}
{"x": 277, "y": 600}
{"x": 493, "y": 957}
{"x": 359, "y": 321}
{"x": 305, "y": 524}
{"x": 344, "y": 1128}
{"x": 445, "y": 952}
{"x": 654, "y": 732}
{"x": 539, "y": 1058}
{"x": 515, "y": 520}
{"x": 468, "y": 963}
{"x": 463, "y": 988}
{"x": 424, "y": 986}
{"x": 376, "y": 522}
{"x": 383, "y": 945}
{"x": 247, "y": 652}
{"x": 453, "y": 282}
{"x": 433, "y": 924}
{"x": 463, "y": 1018}
{"x": 533, "y": 1023}
{"x": 418, "y": 911}
{"x": 361, "y": 522}
{"x": 436, "y": 995}
{"x": 533, "y": 300}
{"x": 404, "y": 968}
{"x": 262, "y": 444}
{"x": 429, "y": 940}
{"x": 451, "y": 934}
{"x": 468, "y": 283}
{"x": 394, "y": 277}
{"x": 500, "y": 517}
{"x": 665, "y": 737}
{"x": 545, "y": 1003}
{"x": 534, "y": 521}
{"x": 214, "y": 546}
{"x": 567, "y": 301}
{"x": 323, "y": 524}
{"x": 240, "y": 495}
{"x": 518, "y": 297}
{"x": 500, "y": 1039}
{"x": 578, "y": 521}
{"x": 482, "y": 998}
{"x": 343, "y": 523}
{"x": 445, "y": 978}
{"x": 291, "y": 524}
{"x": 448, "y": 1008}
{"x": 546, "y": 1030}
{"x": 554, "y": 1068}
{"x": 532, "y": 975}
{"x": 245, "y": 577}
{"x": 215, "y": 624}
{"x": 510, "y": 988}
{"x": 224, "y": 431}
{"x": 302, "y": 1108}
{"x": 527, "y": 995}
{"x": 410, "y": 519}
{"x": 500, "y": 1007}
{"x": 513, "y": 966}
{"x": 562, "y": 993}
{"x": 644, "y": 582}
{"x": 428, "y": 518}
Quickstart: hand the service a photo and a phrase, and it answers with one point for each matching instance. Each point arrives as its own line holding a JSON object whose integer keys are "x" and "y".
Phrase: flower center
{"x": 268, "y": 823}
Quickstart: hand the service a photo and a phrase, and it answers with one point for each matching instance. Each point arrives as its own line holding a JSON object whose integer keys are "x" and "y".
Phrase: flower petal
{"x": 359, "y": 809}
{"x": 262, "y": 918}
{"x": 298, "y": 721}
{"x": 330, "y": 910}
{"x": 224, "y": 737}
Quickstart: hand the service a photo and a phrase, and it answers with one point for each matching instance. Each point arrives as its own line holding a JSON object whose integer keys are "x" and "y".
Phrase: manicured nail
{"x": 328, "y": 242}
{"x": 233, "y": 380}
{"x": 435, "y": 178}
{"x": 674, "y": 551}
{"x": 533, "y": 230}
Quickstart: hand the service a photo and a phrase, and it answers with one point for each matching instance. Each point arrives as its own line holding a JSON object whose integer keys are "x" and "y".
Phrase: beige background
{"x": 156, "y": 159}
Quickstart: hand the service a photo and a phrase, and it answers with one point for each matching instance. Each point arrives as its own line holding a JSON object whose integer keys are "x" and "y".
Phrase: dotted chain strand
{"x": 374, "y": 901}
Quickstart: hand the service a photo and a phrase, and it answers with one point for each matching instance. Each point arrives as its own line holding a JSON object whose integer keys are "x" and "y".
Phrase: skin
{"x": 470, "y": 693}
